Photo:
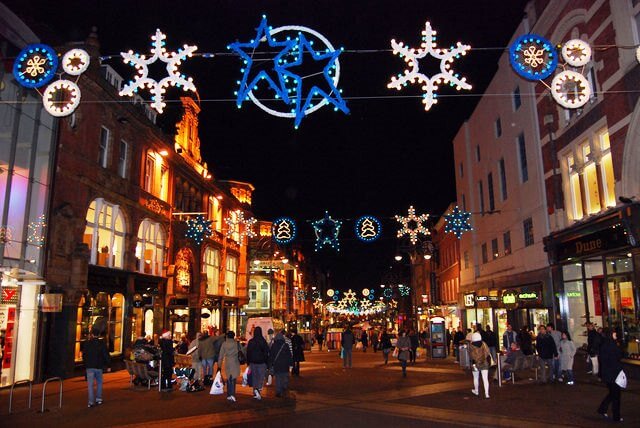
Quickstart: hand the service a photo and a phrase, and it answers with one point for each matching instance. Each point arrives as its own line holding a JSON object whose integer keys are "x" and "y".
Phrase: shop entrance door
{"x": 621, "y": 304}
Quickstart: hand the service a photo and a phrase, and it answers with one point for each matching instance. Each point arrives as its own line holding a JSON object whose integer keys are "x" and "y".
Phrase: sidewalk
{"x": 435, "y": 393}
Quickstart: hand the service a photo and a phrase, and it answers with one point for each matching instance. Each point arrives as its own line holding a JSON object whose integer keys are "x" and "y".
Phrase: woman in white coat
{"x": 567, "y": 352}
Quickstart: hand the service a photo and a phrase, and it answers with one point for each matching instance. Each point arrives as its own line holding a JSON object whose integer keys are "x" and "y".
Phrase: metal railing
{"x": 44, "y": 390}
{"x": 20, "y": 382}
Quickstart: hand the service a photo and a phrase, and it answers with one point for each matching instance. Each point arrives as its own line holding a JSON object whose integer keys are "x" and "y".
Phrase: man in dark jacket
{"x": 458, "y": 338}
{"x": 610, "y": 367}
{"x": 415, "y": 341}
{"x": 167, "y": 360}
{"x": 297, "y": 343}
{"x": 594, "y": 341}
{"x": 547, "y": 351}
{"x": 280, "y": 360}
{"x": 385, "y": 345}
{"x": 258, "y": 357}
{"x": 347, "y": 342}
{"x": 96, "y": 356}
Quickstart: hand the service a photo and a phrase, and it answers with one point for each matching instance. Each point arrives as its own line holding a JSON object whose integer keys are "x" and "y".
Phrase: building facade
{"x": 120, "y": 248}
{"x": 504, "y": 272}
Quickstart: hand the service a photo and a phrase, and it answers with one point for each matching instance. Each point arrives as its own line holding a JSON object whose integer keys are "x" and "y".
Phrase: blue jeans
{"x": 207, "y": 367}
{"x": 403, "y": 364}
{"x": 231, "y": 386}
{"x": 94, "y": 374}
{"x": 569, "y": 375}
{"x": 556, "y": 369}
{"x": 346, "y": 361}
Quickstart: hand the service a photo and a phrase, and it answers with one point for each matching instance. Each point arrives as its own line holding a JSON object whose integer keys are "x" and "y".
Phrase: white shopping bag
{"x": 216, "y": 387}
{"x": 621, "y": 380}
{"x": 244, "y": 376}
{"x": 269, "y": 380}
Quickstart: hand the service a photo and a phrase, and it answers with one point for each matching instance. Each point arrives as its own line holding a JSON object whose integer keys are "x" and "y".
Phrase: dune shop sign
{"x": 611, "y": 238}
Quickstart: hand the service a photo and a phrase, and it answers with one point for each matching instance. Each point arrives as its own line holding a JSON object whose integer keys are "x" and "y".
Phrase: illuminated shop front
{"x": 596, "y": 276}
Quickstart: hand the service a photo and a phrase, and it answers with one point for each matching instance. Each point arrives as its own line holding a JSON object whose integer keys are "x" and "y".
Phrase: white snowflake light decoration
{"x": 576, "y": 52}
{"x": 570, "y": 89}
{"x": 61, "y": 98}
{"x": 234, "y": 224}
{"x": 413, "y": 74}
{"x": 413, "y": 225}
{"x": 174, "y": 77}
{"x": 75, "y": 62}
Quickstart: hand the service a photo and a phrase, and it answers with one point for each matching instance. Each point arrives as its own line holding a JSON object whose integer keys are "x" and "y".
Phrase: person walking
{"x": 96, "y": 356}
{"x": 364, "y": 339}
{"x": 557, "y": 337}
{"x": 610, "y": 367}
{"x": 458, "y": 338}
{"x": 385, "y": 345}
{"x": 167, "y": 361}
{"x": 279, "y": 362}
{"x": 567, "y": 353}
{"x": 206, "y": 352}
{"x": 480, "y": 358}
{"x": 415, "y": 342}
{"x": 297, "y": 345}
{"x": 196, "y": 364}
{"x": 346, "y": 342}
{"x": 524, "y": 339}
{"x": 257, "y": 357}
{"x": 228, "y": 361}
{"x": 320, "y": 339}
{"x": 594, "y": 340}
{"x": 404, "y": 351}
{"x": 492, "y": 342}
{"x": 217, "y": 344}
{"x": 374, "y": 341}
{"x": 509, "y": 337}
{"x": 547, "y": 352}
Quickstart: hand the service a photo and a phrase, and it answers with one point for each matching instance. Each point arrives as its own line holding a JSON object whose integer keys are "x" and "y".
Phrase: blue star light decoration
{"x": 279, "y": 76}
{"x": 457, "y": 222}
{"x": 198, "y": 229}
{"x": 272, "y": 73}
{"x": 304, "y": 103}
{"x": 158, "y": 88}
{"x": 327, "y": 230}
{"x": 413, "y": 74}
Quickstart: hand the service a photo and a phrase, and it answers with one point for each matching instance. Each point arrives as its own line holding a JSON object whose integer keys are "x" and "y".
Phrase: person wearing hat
{"x": 166, "y": 347}
{"x": 481, "y": 360}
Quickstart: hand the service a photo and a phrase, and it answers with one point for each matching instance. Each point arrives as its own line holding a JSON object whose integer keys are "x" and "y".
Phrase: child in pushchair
{"x": 149, "y": 355}
{"x": 185, "y": 379}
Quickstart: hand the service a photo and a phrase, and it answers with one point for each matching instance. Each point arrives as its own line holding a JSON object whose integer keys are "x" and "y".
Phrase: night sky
{"x": 387, "y": 154}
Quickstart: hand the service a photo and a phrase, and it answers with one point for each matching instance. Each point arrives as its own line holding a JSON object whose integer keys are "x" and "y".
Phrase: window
{"x": 149, "y": 169}
{"x": 478, "y": 152}
{"x": 522, "y": 154}
{"x": 231, "y": 276}
{"x": 485, "y": 259}
{"x": 466, "y": 260}
{"x": 576, "y": 193}
{"x": 253, "y": 295}
{"x": 212, "y": 269}
{"x": 164, "y": 182}
{"x": 590, "y": 180}
{"x": 492, "y": 203}
{"x": 481, "y": 195}
{"x": 517, "y": 102}
{"x": 150, "y": 248}
{"x": 498, "y": 128}
{"x": 506, "y": 242}
{"x": 235, "y": 235}
{"x": 494, "y": 249}
{"x": 103, "y": 147}
{"x": 264, "y": 295}
{"x": 606, "y": 169}
{"x": 461, "y": 170}
{"x": 214, "y": 212}
{"x": 104, "y": 234}
{"x": 527, "y": 226}
{"x": 123, "y": 159}
{"x": 503, "y": 179}
{"x": 101, "y": 309}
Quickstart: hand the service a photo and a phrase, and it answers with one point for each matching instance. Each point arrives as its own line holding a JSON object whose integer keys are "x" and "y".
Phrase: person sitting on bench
{"x": 512, "y": 356}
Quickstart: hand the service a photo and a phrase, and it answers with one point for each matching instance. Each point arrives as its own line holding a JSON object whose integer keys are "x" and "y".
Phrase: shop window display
{"x": 212, "y": 269}
{"x": 150, "y": 248}
{"x": 104, "y": 312}
{"x": 104, "y": 233}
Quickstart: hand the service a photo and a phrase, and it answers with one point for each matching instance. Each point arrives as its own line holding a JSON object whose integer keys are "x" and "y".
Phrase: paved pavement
{"x": 435, "y": 393}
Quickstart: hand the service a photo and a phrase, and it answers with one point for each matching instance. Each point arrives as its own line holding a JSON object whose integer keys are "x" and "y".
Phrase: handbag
{"x": 242, "y": 359}
{"x": 621, "y": 380}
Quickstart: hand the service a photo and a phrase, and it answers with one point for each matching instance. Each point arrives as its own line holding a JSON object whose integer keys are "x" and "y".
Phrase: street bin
{"x": 465, "y": 359}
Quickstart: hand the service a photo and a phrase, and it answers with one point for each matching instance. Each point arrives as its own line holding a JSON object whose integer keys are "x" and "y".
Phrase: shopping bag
{"x": 216, "y": 387}
{"x": 395, "y": 353}
{"x": 342, "y": 353}
{"x": 269, "y": 379}
{"x": 420, "y": 352}
{"x": 621, "y": 380}
{"x": 245, "y": 377}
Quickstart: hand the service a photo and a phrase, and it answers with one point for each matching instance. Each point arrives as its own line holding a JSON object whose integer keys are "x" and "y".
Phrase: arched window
{"x": 264, "y": 295}
{"x": 231, "y": 277}
{"x": 150, "y": 247}
{"x": 253, "y": 295}
{"x": 212, "y": 269}
{"x": 104, "y": 233}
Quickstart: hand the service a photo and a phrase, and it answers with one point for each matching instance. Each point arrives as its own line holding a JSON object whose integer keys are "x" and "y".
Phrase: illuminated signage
{"x": 482, "y": 298}
{"x": 531, "y": 295}
{"x": 470, "y": 300}
{"x": 509, "y": 299}
{"x": 574, "y": 294}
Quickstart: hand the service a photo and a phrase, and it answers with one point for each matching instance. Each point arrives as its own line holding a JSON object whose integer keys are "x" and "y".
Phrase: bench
{"x": 141, "y": 372}
{"x": 524, "y": 363}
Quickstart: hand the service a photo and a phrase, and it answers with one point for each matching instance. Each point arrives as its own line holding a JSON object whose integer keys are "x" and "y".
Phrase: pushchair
{"x": 184, "y": 378}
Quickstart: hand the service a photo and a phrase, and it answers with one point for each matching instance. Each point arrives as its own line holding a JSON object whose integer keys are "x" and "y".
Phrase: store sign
{"x": 51, "y": 302}
{"x": 469, "y": 300}
{"x": 574, "y": 294}
{"x": 509, "y": 298}
{"x": 9, "y": 296}
{"x": 611, "y": 238}
{"x": 494, "y": 298}
{"x": 531, "y": 295}
{"x": 482, "y": 298}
